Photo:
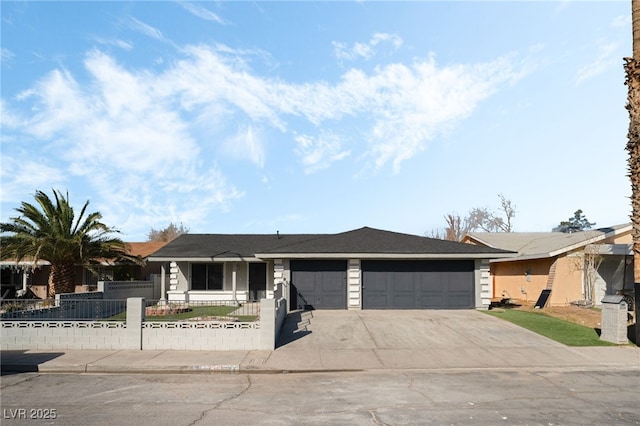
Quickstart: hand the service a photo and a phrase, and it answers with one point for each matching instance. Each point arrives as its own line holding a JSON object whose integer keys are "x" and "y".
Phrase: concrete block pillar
{"x": 173, "y": 276}
{"x": 614, "y": 320}
{"x": 268, "y": 324}
{"x": 135, "y": 318}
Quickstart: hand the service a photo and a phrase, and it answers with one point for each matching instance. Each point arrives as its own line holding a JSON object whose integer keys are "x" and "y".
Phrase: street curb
{"x": 182, "y": 369}
{"x": 215, "y": 368}
{"x": 120, "y": 369}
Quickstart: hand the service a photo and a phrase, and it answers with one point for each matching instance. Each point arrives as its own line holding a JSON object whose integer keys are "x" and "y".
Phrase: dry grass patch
{"x": 589, "y": 317}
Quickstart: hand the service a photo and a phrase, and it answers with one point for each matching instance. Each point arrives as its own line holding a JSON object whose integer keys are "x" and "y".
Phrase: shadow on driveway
{"x": 294, "y": 327}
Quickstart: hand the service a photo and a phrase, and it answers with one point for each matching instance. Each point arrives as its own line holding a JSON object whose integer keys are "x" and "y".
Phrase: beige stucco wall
{"x": 522, "y": 280}
{"x": 567, "y": 286}
{"x": 525, "y": 280}
{"x": 620, "y": 239}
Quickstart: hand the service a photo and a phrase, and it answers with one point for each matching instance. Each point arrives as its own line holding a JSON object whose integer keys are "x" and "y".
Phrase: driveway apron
{"x": 421, "y": 339}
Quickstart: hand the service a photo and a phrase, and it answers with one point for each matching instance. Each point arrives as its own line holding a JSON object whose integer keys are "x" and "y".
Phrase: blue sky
{"x": 257, "y": 117}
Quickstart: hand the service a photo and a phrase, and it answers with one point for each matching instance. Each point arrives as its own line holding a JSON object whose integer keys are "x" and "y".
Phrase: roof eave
{"x": 201, "y": 259}
{"x": 525, "y": 257}
{"x": 591, "y": 240}
{"x": 178, "y": 259}
{"x": 480, "y": 241}
{"x": 382, "y": 255}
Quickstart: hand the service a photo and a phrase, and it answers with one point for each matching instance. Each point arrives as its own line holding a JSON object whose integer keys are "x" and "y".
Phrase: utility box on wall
{"x": 614, "y": 319}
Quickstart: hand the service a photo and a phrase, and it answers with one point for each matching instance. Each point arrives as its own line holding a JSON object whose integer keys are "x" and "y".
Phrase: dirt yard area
{"x": 589, "y": 317}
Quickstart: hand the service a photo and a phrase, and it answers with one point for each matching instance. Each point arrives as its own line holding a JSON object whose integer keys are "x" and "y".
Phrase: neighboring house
{"x": 576, "y": 267}
{"x": 361, "y": 269}
{"x": 25, "y": 275}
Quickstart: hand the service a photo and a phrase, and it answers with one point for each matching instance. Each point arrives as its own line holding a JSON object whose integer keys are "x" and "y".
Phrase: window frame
{"x": 209, "y": 276}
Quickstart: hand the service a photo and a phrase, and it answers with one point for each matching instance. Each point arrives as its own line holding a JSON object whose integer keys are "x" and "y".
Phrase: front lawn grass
{"x": 195, "y": 311}
{"x": 561, "y": 331}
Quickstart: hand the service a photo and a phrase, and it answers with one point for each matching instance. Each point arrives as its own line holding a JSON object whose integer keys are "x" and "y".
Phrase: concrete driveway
{"x": 403, "y": 329}
{"x": 328, "y": 341}
{"x": 429, "y": 339}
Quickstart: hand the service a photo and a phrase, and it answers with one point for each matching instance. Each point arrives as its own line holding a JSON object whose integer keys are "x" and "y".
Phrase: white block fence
{"x": 135, "y": 333}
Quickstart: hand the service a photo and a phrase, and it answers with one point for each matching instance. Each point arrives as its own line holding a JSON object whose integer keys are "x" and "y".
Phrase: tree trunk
{"x": 632, "y": 69}
{"x": 62, "y": 279}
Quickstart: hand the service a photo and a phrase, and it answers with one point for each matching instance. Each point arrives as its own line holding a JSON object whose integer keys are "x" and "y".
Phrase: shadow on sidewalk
{"x": 12, "y": 362}
{"x": 294, "y": 327}
{"x": 631, "y": 333}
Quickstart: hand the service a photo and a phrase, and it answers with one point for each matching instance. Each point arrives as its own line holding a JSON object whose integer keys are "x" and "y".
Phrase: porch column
{"x": 25, "y": 276}
{"x": 163, "y": 284}
{"x": 234, "y": 278}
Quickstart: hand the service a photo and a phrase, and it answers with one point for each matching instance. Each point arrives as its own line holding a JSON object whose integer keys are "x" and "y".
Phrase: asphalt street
{"x": 336, "y": 367}
{"x": 386, "y": 397}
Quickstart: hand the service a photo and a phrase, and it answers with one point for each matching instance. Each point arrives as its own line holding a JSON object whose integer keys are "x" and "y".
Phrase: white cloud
{"x": 621, "y": 21}
{"x": 122, "y": 44}
{"x": 246, "y": 144}
{"x": 318, "y": 152}
{"x": 135, "y": 135}
{"x": 409, "y": 105}
{"x": 6, "y": 55}
{"x": 20, "y": 174}
{"x": 146, "y": 29}
{"x": 395, "y": 40}
{"x": 122, "y": 137}
{"x": 8, "y": 119}
{"x": 406, "y": 105}
{"x": 365, "y": 50}
{"x": 58, "y": 104}
{"x": 606, "y": 58}
{"x": 202, "y": 12}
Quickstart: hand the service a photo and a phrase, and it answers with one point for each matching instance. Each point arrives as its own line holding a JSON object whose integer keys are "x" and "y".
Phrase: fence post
{"x": 267, "y": 324}
{"x": 135, "y": 317}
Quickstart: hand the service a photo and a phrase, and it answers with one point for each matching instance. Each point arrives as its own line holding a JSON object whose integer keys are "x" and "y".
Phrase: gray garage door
{"x": 442, "y": 284}
{"x": 318, "y": 284}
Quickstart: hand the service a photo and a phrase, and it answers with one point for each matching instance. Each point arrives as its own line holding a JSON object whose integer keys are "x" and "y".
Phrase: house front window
{"x": 207, "y": 276}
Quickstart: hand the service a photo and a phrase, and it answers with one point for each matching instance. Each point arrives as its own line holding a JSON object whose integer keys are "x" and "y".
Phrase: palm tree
{"x": 50, "y": 232}
{"x": 632, "y": 69}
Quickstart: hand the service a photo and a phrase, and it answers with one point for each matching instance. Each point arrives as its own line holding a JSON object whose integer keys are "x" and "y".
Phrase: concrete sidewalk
{"x": 280, "y": 361}
{"x": 352, "y": 341}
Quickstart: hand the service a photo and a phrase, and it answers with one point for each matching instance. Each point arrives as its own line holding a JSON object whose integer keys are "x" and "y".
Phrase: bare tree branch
{"x": 478, "y": 218}
{"x": 167, "y": 234}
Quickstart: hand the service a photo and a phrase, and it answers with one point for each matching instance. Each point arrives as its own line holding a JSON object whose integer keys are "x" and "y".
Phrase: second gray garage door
{"x": 318, "y": 284}
{"x": 436, "y": 284}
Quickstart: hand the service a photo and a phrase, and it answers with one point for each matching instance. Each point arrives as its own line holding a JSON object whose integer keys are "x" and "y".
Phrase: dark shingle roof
{"x": 362, "y": 241}
{"x": 225, "y": 245}
{"x": 370, "y": 240}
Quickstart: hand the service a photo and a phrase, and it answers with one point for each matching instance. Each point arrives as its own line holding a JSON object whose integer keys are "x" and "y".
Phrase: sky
{"x": 316, "y": 117}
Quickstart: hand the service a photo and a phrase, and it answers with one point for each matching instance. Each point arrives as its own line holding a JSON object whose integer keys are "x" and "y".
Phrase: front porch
{"x": 220, "y": 280}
